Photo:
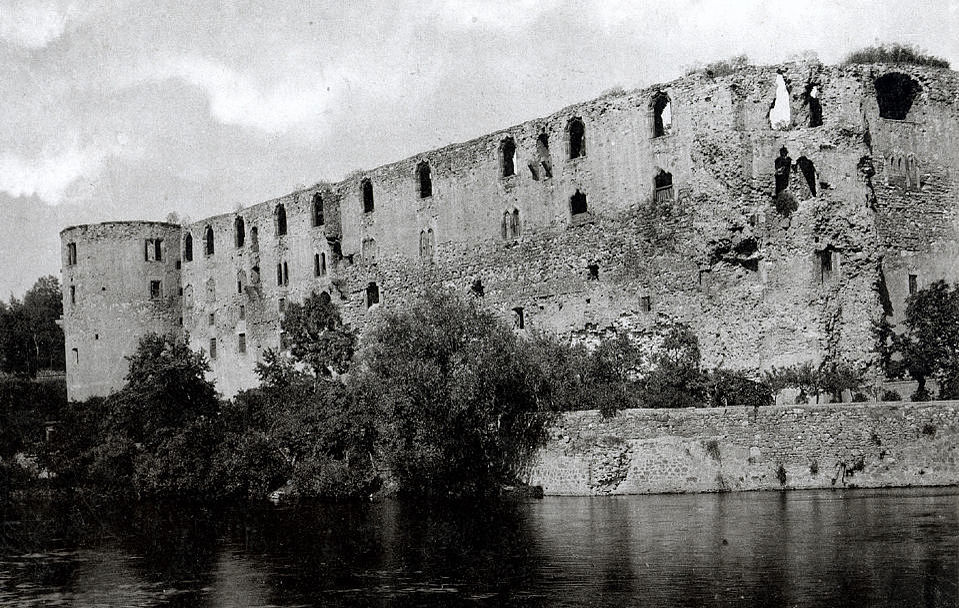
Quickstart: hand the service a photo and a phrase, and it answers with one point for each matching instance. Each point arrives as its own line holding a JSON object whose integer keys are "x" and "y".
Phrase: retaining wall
{"x": 642, "y": 451}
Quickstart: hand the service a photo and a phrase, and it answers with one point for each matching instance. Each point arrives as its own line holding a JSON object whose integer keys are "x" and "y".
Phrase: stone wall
{"x": 643, "y": 451}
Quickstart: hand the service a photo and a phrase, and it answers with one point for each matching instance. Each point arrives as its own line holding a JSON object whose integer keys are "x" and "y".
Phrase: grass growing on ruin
{"x": 895, "y": 53}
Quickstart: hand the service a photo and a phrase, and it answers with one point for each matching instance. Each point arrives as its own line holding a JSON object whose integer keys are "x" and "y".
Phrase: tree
{"x": 675, "y": 378}
{"x": 929, "y": 346}
{"x": 318, "y": 337}
{"x": 30, "y": 338}
{"x": 456, "y": 395}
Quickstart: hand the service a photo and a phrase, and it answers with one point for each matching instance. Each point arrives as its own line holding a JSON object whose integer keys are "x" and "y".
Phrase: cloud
{"x": 32, "y": 25}
{"x": 241, "y": 99}
{"x": 51, "y": 174}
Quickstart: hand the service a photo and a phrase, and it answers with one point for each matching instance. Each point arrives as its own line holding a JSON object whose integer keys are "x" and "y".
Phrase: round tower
{"x": 120, "y": 281}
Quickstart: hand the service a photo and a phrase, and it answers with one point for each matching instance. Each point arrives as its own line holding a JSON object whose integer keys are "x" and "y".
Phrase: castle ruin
{"x": 778, "y": 210}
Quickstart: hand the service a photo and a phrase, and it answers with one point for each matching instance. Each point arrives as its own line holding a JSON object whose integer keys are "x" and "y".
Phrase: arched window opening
{"x": 254, "y": 239}
{"x": 510, "y": 227}
{"x": 316, "y": 265}
{"x": 286, "y": 274}
{"x": 813, "y": 105}
{"x": 280, "y": 219}
{"x": 188, "y": 247}
{"x": 516, "y": 227}
{"x": 662, "y": 115}
{"x": 519, "y": 318}
{"x": 508, "y": 157}
{"x": 895, "y": 94}
{"x": 577, "y": 203}
{"x": 808, "y": 171}
{"x": 239, "y": 231}
{"x": 576, "y": 132}
{"x": 366, "y": 188}
{"x": 372, "y": 294}
{"x": 240, "y": 281}
{"x": 903, "y": 174}
{"x": 368, "y": 250}
{"x": 425, "y": 179}
{"x": 662, "y": 186}
{"x": 208, "y": 238}
{"x": 279, "y": 274}
{"x": 318, "y": 218}
{"x": 541, "y": 165}
{"x": 780, "y": 115}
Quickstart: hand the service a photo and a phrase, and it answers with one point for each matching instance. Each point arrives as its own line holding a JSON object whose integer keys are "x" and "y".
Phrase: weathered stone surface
{"x": 818, "y": 446}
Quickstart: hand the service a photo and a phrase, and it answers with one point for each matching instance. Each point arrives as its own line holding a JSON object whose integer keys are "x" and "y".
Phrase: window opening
{"x": 662, "y": 115}
{"x": 808, "y": 171}
{"x": 519, "y": 318}
{"x": 241, "y": 343}
{"x": 367, "y": 190}
{"x": 913, "y": 284}
{"x": 826, "y": 265}
{"x": 577, "y": 203}
{"x": 662, "y": 186}
{"x": 281, "y": 304}
{"x": 280, "y": 220}
{"x": 286, "y": 274}
{"x": 508, "y": 157}
{"x": 212, "y": 348}
{"x": 811, "y": 100}
{"x": 188, "y": 247}
{"x": 71, "y": 254}
{"x": 318, "y": 218}
{"x": 254, "y": 239}
{"x": 211, "y": 319}
{"x": 780, "y": 116}
{"x": 73, "y": 294}
{"x": 242, "y": 312}
{"x": 425, "y": 180}
{"x": 645, "y": 304}
{"x": 576, "y": 131}
{"x": 155, "y": 290}
{"x": 895, "y": 94}
{"x": 368, "y": 250}
{"x": 208, "y": 238}
{"x": 76, "y": 356}
{"x": 783, "y": 166}
{"x": 255, "y": 275}
{"x": 372, "y": 294}
{"x": 153, "y": 250}
{"x": 240, "y": 281}
{"x": 593, "y": 272}
{"x": 239, "y": 231}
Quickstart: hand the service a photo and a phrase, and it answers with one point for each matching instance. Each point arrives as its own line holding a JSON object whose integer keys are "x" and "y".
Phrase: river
{"x": 816, "y": 548}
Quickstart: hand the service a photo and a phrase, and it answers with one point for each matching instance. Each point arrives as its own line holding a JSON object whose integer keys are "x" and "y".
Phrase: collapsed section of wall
{"x": 644, "y": 451}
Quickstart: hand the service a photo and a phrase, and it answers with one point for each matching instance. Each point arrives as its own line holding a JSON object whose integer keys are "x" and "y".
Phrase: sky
{"x": 117, "y": 109}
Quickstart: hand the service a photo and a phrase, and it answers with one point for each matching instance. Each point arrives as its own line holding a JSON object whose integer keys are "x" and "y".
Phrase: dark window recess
{"x": 576, "y": 132}
{"x": 645, "y": 304}
{"x": 76, "y": 356}
{"x": 242, "y": 312}
{"x": 71, "y": 255}
{"x": 211, "y": 319}
{"x": 240, "y": 281}
{"x": 783, "y": 166}
{"x": 895, "y": 94}
{"x": 73, "y": 294}
{"x": 281, "y": 305}
{"x": 188, "y": 247}
{"x": 508, "y": 157}
{"x": 577, "y": 203}
{"x": 279, "y": 274}
{"x": 662, "y": 186}
{"x": 212, "y": 348}
{"x": 913, "y": 284}
{"x": 155, "y": 290}
{"x": 286, "y": 274}
{"x": 366, "y": 188}
{"x": 178, "y": 265}
{"x": 372, "y": 294}
{"x": 316, "y": 265}
{"x": 593, "y": 272}
{"x": 662, "y": 115}
{"x": 241, "y": 343}
{"x": 541, "y": 165}
{"x": 813, "y": 105}
{"x": 519, "y": 318}
{"x": 826, "y": 264}
{"x": 280, "y": 220}
{"x": 180, "y": 291}
{"x": 208, "y": 238}
{"x": 153, "y": 250}
{"x": 317, "y": 203}
{"x": 425, "y": 179}
{"x": 808, "y": 171}
{"x": 239, "y": 231}
{"x": 254, "y": 239}
{"x": 477, "y": 288}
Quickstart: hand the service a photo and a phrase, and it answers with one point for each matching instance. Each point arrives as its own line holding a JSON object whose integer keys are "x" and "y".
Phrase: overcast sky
{"x": 116, "y": 109}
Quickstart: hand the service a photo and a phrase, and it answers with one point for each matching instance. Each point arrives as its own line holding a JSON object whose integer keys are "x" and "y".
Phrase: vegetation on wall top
{"x": 895, "y": 53}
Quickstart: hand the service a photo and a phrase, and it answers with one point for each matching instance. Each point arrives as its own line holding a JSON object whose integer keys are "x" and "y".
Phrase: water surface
{"x": 818, "y": 548}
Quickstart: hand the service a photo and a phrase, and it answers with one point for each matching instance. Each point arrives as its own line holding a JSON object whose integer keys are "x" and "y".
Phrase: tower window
{"x": 211, "y": 319}
{"x": 156, "y": 290}
{"x": 662, "y": 115}
{"x": 239, "y": 231}
{"x": 280, "y": 219}
{"x": 577, "y": 203}
{"x": 71, "y": 254}
{"x": 519, "y": 318}
{"x": 913, "y": 284}
{"x": 153, "y": 250}
{"x": 576, "y": 132}
{"x": 254, "y": 239}
{"x": 372, "y": 294}
{"x": 241, "y": 343}
{"x": 188, "y": 247}
{"x": 212, "y": 348}
{"x": 662, "y": 186}
{"x": 813, "y": 105}
{"x": 242, "y": 312}
{"x": 508, "y": 157}
{"x": 366, "y": 189}
{"x": 317, "y": 205}
{"x": 73, "y": 294}
{"x": 425, "y": 179}
{"x": 240, "y": 281}
{"x": 645, "y": 304}
{"x": 208, "y": 239}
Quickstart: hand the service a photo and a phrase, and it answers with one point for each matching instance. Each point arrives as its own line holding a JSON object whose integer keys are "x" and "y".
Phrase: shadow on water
{"x": 853, "y": 548}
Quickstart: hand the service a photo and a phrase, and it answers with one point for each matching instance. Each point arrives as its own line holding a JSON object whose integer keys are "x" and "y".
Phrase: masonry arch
{"x": 208, "y": 240}
{"x": 280, "y": 215}
{"x": 316, "y": 205}
{"x": 188, "y": 247}
{"x": 507, "y": 157}
{"x": 424, "y": 179}
{"x": 366, "y": 195}
{"x": 576, "y": 137}
{"x": 239, "y": 231}
{"x": 895, "y": 94}
{"x": 662, "y": 109}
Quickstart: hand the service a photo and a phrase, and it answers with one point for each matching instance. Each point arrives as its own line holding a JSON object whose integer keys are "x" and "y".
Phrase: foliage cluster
{"x": 895, "y": 52}
{"x": 829, "y": 378}
{"x": 722, "y": 67}
{"x": 30, "y": 339}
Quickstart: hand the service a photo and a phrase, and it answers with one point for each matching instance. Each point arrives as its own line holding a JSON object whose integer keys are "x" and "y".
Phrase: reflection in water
{"x": 852, "y": 548}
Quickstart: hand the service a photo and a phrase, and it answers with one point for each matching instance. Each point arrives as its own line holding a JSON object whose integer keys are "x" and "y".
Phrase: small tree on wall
{"x": 929, "y": 346}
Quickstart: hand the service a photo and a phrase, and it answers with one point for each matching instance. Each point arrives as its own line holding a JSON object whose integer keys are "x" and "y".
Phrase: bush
{"x": 726, "y": 388}
{"x": 890, "y": 395}
{"x": 723, "y": 67}
{"x": 781, "y": 474}
{"x": 675, "y": 379}
{"x": 895, "y": 53}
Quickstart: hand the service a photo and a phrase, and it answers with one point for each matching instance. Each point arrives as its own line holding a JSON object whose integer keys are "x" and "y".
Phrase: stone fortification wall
{"x": 585, "y": 239}
{"x": 115, "y": 289}
{"x": 738, "y": 448}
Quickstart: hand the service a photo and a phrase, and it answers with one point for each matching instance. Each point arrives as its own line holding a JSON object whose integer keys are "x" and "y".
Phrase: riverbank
{"x": 645, "y": 451}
